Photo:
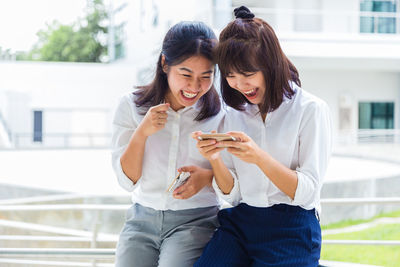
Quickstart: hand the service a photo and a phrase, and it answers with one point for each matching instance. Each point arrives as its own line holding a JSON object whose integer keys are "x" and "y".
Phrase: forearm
{"x": 132, "y": 158}
{"x": 222, "y": 175}
{"x": 281, "y": 176}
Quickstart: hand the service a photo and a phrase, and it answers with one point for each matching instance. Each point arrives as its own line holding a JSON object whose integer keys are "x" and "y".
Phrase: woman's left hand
{"x": 245, "y": 149}
{"x": 198, "y": 179}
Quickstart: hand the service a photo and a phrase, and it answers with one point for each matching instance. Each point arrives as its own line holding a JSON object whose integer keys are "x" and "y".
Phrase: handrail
{"x": 362, "y": 242}
{"x": 55, "y": 263}
{"x": 64, "y": 207}
{"x": 370, "y": 200}
{"x": 56, "y": 197}
{"x": 123, "y": 207}
{"x": 59, "y": 251}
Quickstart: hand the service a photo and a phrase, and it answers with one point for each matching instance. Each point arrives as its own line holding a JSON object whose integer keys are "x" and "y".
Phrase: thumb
{"x": 187, "y": 169}
{"x": 195, "y": 134}
{"x": 214, "y": 131}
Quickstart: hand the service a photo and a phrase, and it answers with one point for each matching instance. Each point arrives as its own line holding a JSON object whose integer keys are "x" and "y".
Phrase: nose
{"x": 194, "y": 85}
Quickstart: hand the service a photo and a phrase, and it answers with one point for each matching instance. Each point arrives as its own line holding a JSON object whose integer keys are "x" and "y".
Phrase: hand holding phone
{"x": 178, "y": 181}
{"x": 216, "y": 136}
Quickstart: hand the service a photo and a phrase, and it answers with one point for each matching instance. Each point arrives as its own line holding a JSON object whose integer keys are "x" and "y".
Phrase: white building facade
{"x": 347, "y": 52}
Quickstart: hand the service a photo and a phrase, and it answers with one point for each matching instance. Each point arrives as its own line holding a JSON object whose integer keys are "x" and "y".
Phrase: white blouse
{"x": 165, "y": 152}
{"x": 298, "y": 135}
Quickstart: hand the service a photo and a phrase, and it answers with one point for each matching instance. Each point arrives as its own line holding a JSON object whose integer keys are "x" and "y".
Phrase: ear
{"x": 163, "y": 64}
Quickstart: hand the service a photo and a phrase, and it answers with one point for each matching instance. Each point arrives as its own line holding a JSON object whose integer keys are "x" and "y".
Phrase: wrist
{"x": 214, "y": 159}
{"x": 261, "y": 157}
{"x": 141, "y": 133}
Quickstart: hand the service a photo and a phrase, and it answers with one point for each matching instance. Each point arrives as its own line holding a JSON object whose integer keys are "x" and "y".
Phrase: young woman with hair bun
{"x": 275, "y": 169}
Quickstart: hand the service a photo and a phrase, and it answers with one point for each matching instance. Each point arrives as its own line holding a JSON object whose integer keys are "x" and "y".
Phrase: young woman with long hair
{"x": 279, "y": 158}
{"x": 152, "y": 141}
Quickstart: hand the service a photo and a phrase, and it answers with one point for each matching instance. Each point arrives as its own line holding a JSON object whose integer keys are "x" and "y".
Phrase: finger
{"x": 183, "y": 191}
{"x": 184, "y": 194}
{"x": 161, "y": 107}
{"x": 239, "y": 135}
{"x": 230, "y": 144}
{"x": 187, "y": 169}
{"x": 157, "y": 123}
{"x": 163, "y": 121}
{"x": 196, "y": 134}
{"x": 162, "y": 115}
{"x": 233, "y": 150}
{"x": 210, "y": 148}
{"x": 206, "y": 143}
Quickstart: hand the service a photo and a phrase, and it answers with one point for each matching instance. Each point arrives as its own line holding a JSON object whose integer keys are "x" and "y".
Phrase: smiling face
{"x": 188, "y": 81}
{"x": 250, "y": 84}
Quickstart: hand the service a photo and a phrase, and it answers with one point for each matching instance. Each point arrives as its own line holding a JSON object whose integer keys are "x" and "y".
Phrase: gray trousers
{"x": 164, "y": 238}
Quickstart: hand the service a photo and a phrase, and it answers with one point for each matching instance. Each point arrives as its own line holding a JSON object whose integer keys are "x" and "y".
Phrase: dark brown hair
{"x": 248, "y": 45}
{"x": 182, "y": 41}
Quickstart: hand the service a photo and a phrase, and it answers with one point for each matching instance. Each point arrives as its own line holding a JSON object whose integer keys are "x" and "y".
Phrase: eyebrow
{"x": 188, "y": 70}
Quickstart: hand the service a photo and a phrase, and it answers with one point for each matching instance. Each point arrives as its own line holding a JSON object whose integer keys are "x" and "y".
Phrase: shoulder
{"x": 309, "y": 103}
{"x": 127, "y": 104}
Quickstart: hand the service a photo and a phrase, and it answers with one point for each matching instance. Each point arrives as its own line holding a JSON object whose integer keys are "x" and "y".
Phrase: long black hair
{"x": 249, "y": 44}
{"x": 182, "y": 41}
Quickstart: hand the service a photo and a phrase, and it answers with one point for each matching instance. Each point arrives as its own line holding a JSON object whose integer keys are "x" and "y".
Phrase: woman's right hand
{"x": 207, "y": 148}
{"x": 154, "y": 120}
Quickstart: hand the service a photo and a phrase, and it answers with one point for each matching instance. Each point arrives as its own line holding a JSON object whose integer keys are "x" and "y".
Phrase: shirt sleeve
{"x": 314, "y": 152}
{"x": 123, "y": 127}
{"x": 234, "y": 197}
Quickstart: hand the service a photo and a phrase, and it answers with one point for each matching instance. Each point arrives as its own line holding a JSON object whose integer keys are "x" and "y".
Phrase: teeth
{"x": 250, "y": 91}
{"x": 189, "y": 95}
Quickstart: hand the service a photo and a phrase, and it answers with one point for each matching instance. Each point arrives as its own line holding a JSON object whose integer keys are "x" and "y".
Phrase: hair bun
{"x": 243, "y": 13}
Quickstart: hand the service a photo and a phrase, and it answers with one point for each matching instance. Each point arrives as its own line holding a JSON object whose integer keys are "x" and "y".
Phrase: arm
{"x": 129, "y": 139}
{"x": 300, "y": 184}
{"x": 225, "y": 180}
{"x": 132, "y": 158}
{"x": 314, "y": 152}
{"x": 247, "y": 150}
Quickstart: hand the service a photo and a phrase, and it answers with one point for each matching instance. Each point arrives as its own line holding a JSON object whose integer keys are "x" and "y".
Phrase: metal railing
{"x": 103, "y": 253}
{"x": 62, "y": 140}
{"x": 351, "y": 18}
{"x": 369, "y": 136}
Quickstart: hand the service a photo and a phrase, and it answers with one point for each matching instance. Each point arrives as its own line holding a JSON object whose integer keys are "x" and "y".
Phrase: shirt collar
{"x": 254, "y": 109}
{"x": 194, "y": 108}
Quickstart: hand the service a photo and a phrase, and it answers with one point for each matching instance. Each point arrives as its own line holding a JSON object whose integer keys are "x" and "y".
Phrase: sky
{"x": 20, "y": 20}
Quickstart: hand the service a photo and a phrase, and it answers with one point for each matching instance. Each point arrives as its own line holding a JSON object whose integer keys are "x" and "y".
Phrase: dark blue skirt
{"x": 281, "y": 235}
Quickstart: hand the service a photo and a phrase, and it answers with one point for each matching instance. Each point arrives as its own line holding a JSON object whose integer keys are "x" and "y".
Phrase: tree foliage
{"x": 83, "y": 41}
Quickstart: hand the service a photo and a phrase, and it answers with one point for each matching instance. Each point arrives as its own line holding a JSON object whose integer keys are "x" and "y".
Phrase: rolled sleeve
{"x": 233, "y": 198}
{"x": 314, "y": 153}
{"x": 123, "y": 127}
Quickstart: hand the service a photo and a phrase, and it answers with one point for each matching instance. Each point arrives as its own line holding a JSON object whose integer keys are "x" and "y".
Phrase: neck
{"x": 173, "y": 103}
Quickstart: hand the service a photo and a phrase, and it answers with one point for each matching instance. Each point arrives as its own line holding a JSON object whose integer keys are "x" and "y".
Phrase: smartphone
{"x": 216, "y": 136}
{"x": 179, "y": 180}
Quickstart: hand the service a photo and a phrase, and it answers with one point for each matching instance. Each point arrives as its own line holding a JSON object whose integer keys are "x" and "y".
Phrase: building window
{"x": 37, "y": 126}
{"x": 378, "y": 16}
{"x": 376, "y": 115}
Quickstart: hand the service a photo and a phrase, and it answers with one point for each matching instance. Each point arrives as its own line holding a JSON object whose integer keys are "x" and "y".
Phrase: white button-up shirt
{"x": 298, "y": 135}
{"x": 165, "y": 152}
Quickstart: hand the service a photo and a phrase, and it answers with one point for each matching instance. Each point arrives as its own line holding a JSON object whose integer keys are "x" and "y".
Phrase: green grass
{"x": 346, "y": 223}
{"x": 367, "y": 254}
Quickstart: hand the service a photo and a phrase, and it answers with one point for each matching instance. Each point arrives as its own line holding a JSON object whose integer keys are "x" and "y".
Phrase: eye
{"x": 248, "y": 74}
{"x": 186, "y": 75}
{"x": 206, "y": 77}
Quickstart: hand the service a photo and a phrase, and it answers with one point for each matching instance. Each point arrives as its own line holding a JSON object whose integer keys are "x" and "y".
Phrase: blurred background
{"x": 65, "y": 64}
